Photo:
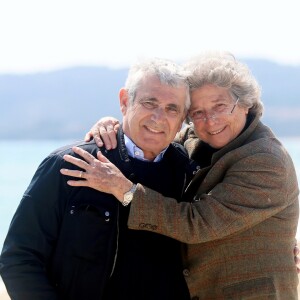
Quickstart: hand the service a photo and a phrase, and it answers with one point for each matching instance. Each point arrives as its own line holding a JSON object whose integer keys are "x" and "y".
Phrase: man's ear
{"x": 124, "y": 100}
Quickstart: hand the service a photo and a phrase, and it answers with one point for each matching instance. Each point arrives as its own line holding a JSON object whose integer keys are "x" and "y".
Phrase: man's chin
{"x": 154, "y": 149}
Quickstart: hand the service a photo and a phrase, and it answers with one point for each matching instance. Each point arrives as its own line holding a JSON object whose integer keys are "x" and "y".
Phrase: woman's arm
{"x": 218, "y": 214}
{"x": 253, "y": 190}
{"x": 104, "y": 132}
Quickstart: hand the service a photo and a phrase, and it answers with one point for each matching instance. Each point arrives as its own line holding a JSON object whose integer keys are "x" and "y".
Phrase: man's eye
{"x": 149, "y": 104}
{"x": 172, "y": 110}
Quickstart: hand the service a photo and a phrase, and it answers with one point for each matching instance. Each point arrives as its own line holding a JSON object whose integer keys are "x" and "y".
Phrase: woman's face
{"x": 216, "y": 119}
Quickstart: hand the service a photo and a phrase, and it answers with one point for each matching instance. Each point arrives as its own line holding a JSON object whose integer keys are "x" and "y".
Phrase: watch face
{"x": 128, "y": 196}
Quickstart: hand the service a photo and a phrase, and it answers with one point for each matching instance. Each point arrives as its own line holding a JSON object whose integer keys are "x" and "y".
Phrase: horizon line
{"x": 120, "y": 66}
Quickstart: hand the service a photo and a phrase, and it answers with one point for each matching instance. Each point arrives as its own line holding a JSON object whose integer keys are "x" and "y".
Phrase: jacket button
{"x": 107, "y": 214}
{"x": 186, "y": 272}
{"x": 72, "y": 210}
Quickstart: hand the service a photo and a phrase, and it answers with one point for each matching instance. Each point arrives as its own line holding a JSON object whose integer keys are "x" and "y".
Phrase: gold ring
{"x": 80, "y": 174}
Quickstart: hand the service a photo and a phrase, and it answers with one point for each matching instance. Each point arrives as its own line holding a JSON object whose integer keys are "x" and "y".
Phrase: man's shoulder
{"x": 178, "y": 148}
{"x": 90, "y": 147}
{"x": 178, "y": 152}
{"x": 178, "y": 156}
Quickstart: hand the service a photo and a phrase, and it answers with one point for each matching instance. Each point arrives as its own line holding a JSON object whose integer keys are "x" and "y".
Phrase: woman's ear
{"x": 124, "y": 100}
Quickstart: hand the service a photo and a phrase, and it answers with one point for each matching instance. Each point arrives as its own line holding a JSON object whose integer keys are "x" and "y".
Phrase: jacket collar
{"x": 121, "y": 145}
{"x": 252, "y": 123}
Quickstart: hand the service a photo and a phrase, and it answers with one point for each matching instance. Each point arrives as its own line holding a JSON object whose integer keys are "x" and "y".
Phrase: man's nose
{"x": 159, "y": 113}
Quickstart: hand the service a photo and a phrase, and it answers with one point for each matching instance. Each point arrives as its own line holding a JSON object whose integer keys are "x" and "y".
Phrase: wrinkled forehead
{"x": 162, "y": 93}
{"x": 209, "y": 95}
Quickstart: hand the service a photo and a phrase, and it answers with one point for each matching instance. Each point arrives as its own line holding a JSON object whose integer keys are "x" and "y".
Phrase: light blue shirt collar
{"x": 135, "y": 152}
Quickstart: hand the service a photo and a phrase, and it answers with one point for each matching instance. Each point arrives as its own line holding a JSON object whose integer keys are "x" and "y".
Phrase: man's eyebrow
{"x": 173, "y": 105}
{"x": 153, "y": 99}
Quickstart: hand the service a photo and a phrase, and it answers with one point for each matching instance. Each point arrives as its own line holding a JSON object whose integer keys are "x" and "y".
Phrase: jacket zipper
{"x": 117, "y": 246}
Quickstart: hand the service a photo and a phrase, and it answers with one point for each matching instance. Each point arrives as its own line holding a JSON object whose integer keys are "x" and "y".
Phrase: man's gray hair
{"x": 223, "y": 70}
{"x": 168, "y": 73}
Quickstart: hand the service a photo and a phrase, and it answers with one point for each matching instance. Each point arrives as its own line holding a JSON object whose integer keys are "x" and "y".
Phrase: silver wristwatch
{"x": 129, "y": 195}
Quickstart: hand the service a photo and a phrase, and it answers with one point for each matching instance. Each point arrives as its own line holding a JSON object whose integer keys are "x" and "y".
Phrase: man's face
{"x": 219, "y": 131}
{"x": 155, "y": 117}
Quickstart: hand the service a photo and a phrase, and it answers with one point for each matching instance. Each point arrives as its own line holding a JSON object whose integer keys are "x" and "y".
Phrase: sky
{"x": 43, "y": 35}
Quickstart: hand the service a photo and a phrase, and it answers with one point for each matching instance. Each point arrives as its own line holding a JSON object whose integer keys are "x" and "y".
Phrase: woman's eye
{"x": 198, "y": 113}
{"x": 221, "y": 107}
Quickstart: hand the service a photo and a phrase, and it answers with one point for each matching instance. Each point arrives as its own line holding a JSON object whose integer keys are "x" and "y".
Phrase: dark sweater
{"x": 149, "y": 265}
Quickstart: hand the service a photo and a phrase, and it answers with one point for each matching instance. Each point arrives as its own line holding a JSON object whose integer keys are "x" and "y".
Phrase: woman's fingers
{"x": 104, "y": 132}
{"x": 112, "y": 132}
{"x": 97, "y": 136}
{"x": 85, "y": 155}
{"x": 88, "y": 136}
{"x": 102, "y": 158}
{"x": 76, "y": 161}
{"x": 73, "y": 173}
{"x": 88, "y": 163}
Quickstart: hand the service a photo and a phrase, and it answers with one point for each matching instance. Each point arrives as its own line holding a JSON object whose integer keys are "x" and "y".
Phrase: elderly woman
{"x": 239, "y": 218}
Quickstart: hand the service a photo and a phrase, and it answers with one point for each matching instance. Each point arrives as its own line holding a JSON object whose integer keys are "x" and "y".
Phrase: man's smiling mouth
{"x": 153, "y": 130}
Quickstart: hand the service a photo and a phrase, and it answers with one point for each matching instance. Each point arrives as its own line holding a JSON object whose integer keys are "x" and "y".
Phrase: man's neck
{"x": 136, "y": 152}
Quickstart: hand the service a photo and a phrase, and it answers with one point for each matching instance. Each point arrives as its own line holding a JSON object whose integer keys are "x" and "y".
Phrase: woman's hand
{"x": 104, "y": 132}
{"x": 99, "y": 174}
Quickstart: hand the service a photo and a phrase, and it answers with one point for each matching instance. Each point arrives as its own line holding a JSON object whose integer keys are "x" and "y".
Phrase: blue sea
{"x": 19, "y": 160}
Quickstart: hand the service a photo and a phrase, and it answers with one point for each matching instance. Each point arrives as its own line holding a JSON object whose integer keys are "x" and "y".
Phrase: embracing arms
{"x": 255, "y": 188}
{"x": 239, "y": 192}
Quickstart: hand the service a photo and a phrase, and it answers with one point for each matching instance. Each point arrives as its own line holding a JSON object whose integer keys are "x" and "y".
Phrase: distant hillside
{"x": 280, "y": 94}
{"x": 61, "y": 104}
{"x": 65, "y": 103}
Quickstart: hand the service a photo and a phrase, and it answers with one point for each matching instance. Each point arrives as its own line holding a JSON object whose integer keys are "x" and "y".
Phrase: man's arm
{"x": 32, "y": 236}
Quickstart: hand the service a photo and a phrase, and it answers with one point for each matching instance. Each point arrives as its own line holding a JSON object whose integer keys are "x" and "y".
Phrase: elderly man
{"x": 73, "y": 243}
